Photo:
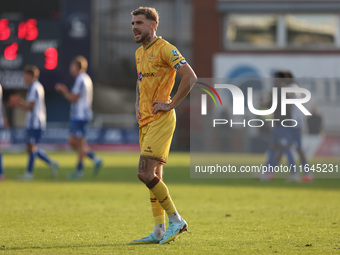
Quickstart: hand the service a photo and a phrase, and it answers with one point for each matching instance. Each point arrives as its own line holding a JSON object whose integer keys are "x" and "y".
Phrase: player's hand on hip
{"x": 138, "y": 116}
{"x": 160, "y": 106}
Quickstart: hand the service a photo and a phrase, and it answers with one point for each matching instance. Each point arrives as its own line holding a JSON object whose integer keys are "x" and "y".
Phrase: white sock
{"x": 159, "y": 229}
{"x": 175, "y": 217}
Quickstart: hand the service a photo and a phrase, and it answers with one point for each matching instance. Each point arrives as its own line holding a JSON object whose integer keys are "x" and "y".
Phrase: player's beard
{"x": 143, "y": 37}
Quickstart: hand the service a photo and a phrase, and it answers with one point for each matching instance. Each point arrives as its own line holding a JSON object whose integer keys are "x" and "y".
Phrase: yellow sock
{"x": 157, "y": 210}
{"x": 161, "y": 192}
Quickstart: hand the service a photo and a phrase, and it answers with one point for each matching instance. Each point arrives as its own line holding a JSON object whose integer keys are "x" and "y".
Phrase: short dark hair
{"x": 289, "y": 74}
{"x": 279, "y": 74}
{"x": 289, "y": 77}
{"x": 81, "y": 62}
{"x": 32, "y": 70}
{"x": 149, "y": 12}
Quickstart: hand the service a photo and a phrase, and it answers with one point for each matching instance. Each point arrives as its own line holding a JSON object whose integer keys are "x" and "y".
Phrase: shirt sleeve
{"x": 173, "y": 57}
{"x": 77, "y": 87}
{"x": 31, "y": 96}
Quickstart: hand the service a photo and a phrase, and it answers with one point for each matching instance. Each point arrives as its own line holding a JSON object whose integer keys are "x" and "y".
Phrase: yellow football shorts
{"x": 155, "y": 138}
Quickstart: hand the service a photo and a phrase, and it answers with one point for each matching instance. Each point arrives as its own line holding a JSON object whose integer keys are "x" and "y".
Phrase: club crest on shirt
{"x": 151, "y": 57}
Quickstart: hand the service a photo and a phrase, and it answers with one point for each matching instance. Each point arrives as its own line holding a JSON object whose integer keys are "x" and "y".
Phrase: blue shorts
{"x": 33, "y": 136}
{"x": 78, "y": 128}
{"x": 296, "y": 136}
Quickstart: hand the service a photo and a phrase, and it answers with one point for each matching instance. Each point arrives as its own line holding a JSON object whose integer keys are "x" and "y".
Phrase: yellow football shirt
{"x": 157, "y": 64}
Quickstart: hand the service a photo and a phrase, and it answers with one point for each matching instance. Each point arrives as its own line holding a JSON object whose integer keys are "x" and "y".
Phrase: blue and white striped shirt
{"x": 36, "y": 118}
{"x": 82, "y": 108}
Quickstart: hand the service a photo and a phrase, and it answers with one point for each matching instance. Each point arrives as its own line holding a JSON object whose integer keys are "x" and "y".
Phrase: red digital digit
{"x": 5, "y": 32}
{"x": 51, "y": 58}
{"x": 31, "y": 30}
{"x": 22, "y": 30}
{"x": 28, "y": 30}
{"x": 10, "y": 52}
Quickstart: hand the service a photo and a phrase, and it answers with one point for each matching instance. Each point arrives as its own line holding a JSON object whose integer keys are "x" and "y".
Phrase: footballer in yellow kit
{"x": 157, "y": 63}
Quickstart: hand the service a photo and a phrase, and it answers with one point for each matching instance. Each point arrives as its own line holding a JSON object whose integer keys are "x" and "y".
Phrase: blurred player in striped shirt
{"x": 80, "y": 97}
{"x": 35, "y": 120}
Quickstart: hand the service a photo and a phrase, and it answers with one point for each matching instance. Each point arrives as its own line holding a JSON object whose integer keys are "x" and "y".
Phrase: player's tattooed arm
{"x": 188, "y": 80}
{"x": 138, "y": 116}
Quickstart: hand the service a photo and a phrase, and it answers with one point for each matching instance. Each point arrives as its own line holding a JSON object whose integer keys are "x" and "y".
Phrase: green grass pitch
{"x": 101, "y": 215}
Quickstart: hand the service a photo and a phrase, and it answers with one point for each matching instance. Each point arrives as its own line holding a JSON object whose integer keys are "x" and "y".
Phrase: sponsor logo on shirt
{"x": 141, "y": 75}
{"x": 148, "y": 74}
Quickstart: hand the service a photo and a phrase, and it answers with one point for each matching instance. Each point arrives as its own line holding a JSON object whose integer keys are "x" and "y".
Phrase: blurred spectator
{"x": 281, "y": 139}
{"x": 296, "y": 132}
{"x": 266, "y": 103}
{"x": 314, "y": 122}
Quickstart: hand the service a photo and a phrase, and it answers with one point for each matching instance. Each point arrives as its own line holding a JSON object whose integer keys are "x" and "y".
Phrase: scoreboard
{"x": 45, "y": 33}
{"x": 30, "y": 34}
{"x": 29, "y": 41}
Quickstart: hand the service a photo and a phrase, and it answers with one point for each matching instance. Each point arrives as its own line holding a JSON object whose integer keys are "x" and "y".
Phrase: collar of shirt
{"x": 152, "y": 42}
